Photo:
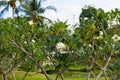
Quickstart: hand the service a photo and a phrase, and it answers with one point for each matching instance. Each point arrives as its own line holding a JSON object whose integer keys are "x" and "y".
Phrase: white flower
{"x": 25, "y": 42}
{"x": 13, "y": 56}
{"x": 90, "y": 45}
{"x": 33, "y": 40}
{"x": 85, "y": 18}
{"x": 109, "y": 26}
{"x": 100, "y": 48}
{"x": 62, "y": 52}
{"x": 105, "y": 42}
{"x": 52, "y": 53}
{"x": 100, "y": 33}
{"x": 99, "y": 37}
{"x": 92, "y": 17}
{"x": 44, "y": 63}
{"x": 60, "y": 45}
{"x": 116, "y": 38}
{"x": 113, "y": 46}
{"x": 26, "y": 60}
{"x": 47, "y": 63}
{"x": 30, "y": 22}
{"x": 71, "y": 30}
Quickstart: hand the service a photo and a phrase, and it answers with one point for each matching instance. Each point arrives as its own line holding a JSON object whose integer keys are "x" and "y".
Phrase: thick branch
{"x": 18, "y": 46}
{"x": 101, "y": 72}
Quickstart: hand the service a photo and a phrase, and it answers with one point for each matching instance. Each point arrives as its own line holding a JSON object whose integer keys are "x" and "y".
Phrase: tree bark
{"x": 13, "y": 75}
{"x": 59, "y": 74}
{"x": 105, "y": 75}
{"x": 93, "y": 57}
{"x": 90, "y": 68}
{"x": 44, "y": 50}
{"x": 43, "y": 70}
{"x": 3, "y": 76}
{"x": 12, "y": 13}
{"x": 25, "y": 75}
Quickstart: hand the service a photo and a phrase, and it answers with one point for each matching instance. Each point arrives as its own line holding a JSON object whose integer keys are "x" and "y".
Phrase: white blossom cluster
{"x": 30, "y": 22}
{"x": 60, "y": 47}
{"x": 115, "y": 38}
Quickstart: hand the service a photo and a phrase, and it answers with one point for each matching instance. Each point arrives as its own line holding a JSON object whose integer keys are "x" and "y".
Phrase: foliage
{"x": 28, "y": 45}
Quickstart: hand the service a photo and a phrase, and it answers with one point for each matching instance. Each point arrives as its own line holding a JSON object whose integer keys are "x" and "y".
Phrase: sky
{"x": 69, "y": 10}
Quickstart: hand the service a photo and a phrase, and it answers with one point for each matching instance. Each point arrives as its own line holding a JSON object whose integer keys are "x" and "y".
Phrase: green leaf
{"x": 117, "y": 47}
{"x": 116, "y": 66}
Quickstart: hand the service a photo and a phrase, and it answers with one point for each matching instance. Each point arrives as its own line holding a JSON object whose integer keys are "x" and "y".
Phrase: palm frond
{"x": 45, "y": 18}
{"x": 33, "y": 5}
{"x": 3, "y": 3}
{"x": 33, "y": 8}
{"x": 5, "y": 9}
{"x": 39, "y": 3}
{"x": 16, "y": 11}
{"x": 24, "y": 7}
{"x": 41, "y": 10}
{"x": 51, "y": 7}
{"x": 23, "y": 10}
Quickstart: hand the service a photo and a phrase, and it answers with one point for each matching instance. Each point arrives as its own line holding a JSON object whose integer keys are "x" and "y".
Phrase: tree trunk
{"x": 88, "y": 76}
{"x": 25, "y": 75}
{"x": 13, "y": 75}
{"x": 44, "y": 50}
{"x": 59, "y": 74}
{"x": 12, "y": 13}
{"x": 43, "y": 70}
{"x": 105, "y": 75}
{"x": 2, "y": 72}
{"x": 93, "y": 58}
{"x": 4, "y": 77}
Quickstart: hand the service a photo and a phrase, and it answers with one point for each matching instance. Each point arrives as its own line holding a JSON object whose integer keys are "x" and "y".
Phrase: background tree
{"x": 33, "y": 9}
{"x": 7, "y": 5}
{"x": 10, "y": 58}
{"x": 97, "y": 41}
